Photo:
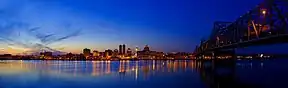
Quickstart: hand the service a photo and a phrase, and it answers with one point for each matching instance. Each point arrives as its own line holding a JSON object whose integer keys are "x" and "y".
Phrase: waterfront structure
{"x": 146, "y": 53}
{"x": 46, "y": 55}
{"x": 96, "y": 53}
{"x": 136, "y": 50}
{"x": 69, "y": 56}
{"x": 146, "y": 48}
{"x": 115, "y": 53}
{"x": 108, "y": 53}
{"x": 6, "y": 56}
{"x": 86, "y": 52}
{"x": 177, "y": 55}
{"x": 129, "y": 52}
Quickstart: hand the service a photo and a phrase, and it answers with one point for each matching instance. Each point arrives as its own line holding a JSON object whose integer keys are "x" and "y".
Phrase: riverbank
{"x": 95, "y": 59}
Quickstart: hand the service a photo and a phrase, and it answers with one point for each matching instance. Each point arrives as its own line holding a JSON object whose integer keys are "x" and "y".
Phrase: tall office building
{"x": 123, "y": 49}
{"x": 120, "y": 49}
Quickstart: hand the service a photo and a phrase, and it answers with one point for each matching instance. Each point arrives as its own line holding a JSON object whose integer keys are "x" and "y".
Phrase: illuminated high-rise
{"x": 123, "y": 49}
{"x": 120, "y": 49}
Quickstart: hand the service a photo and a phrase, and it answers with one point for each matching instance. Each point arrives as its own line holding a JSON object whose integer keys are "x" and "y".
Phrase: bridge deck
{"x": 255, "y": 42}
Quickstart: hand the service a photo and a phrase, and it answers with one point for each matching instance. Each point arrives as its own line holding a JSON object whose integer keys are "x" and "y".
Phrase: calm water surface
{"x": 142, "y": 74}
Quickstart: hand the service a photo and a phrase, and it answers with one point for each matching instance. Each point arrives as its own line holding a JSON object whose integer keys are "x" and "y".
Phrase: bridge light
{"x": 261, "y": 55}
{"x": 264, "y": 11}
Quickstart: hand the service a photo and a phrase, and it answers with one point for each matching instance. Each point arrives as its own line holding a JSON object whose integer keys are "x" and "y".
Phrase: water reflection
{"x": 111, "y": 74}
{"x": 99, "y": 68}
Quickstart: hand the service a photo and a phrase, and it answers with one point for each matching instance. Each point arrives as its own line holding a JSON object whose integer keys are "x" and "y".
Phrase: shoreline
{"x": 100, "y": 60}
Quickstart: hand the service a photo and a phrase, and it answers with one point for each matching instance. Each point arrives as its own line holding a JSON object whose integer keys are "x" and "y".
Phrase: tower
{"x": 120, "y": 49}
{"x": 123, "y": 49}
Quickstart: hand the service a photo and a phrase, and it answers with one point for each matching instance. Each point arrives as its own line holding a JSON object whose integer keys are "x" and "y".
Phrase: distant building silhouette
{"x": 129, "y": 52}
{"x": 124, "y": 49}
{"x": 69, "y": 56}
{"x": 96, "y": 53}
{"x": 108, "y": 53}
{"x": 48, "y": 55}
{"x": 136, "y": 50}
{"x": 115, "y": 53}
{"x": 86, "y": 52}
{"x": 120, "y": 49}
{"x": 146, "y": 53}
{"x": 146, "y": 48}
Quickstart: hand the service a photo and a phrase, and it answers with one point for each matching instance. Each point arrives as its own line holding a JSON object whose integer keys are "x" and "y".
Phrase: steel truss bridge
{"x": 263, "y": 25}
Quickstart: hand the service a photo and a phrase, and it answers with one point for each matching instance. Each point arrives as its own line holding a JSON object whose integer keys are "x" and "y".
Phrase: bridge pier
{"x": 224, "y": 54}
{"x": 217, "y": 55}
{"x": 221, "y": 77}
{"x": 224, "y": 58}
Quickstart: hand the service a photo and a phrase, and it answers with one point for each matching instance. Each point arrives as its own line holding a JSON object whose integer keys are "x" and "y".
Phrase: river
{"x": 142, "y": 74}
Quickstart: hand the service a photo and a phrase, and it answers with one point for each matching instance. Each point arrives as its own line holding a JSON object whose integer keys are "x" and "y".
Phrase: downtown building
{"x": 147, "y": 54}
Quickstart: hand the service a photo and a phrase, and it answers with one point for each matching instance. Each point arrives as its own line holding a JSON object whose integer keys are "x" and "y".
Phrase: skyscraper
{"x": 123, "y": 49}
{"x": 120, "y": 49}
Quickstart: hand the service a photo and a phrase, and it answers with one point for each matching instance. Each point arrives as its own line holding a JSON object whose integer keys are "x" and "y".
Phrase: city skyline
{"x": 143, "y": 43}
{"x": 70, "y": 26}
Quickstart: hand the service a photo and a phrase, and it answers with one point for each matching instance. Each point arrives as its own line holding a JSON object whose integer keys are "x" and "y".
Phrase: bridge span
{"x": 265, "y": 24}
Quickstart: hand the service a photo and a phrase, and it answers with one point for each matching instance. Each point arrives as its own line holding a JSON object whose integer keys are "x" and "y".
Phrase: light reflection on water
{"x": 97, "y": 73}
{"x": 141, "y": 74}
{"x": 99, "y": 68}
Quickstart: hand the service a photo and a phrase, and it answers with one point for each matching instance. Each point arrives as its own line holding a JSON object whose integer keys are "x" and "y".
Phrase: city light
{"x": 264, "y": 12}
{"x": 124, "y": 53}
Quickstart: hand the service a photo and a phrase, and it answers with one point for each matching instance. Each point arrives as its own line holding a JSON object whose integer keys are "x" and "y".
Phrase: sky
{"x": 71, "y": 25}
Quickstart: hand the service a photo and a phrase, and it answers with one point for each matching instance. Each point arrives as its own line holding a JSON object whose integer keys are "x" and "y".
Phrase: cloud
{"x": 19, "y": 22}
{"x": 28, "y": 23}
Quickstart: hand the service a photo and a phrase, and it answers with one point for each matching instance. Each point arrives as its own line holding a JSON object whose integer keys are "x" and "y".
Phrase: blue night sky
{"x": 71, "y": 25}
